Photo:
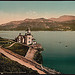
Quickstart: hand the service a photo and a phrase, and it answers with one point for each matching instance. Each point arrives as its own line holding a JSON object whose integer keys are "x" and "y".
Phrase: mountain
{"x": 63, "y": 18}
{"x": 34, "y": 24}
{"x": 63, "y": 23}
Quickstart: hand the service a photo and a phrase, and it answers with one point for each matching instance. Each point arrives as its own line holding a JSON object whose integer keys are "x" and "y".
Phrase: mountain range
{"x": 63, "y": 23}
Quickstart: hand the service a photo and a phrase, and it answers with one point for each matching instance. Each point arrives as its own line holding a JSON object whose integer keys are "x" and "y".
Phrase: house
{"x": 26, "y": 39}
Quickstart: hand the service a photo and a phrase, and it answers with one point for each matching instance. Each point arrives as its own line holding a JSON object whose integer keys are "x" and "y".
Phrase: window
{"x": 29, "y": 37}
{"x": 19, "y": 37}
{"x": 29, "y": 41}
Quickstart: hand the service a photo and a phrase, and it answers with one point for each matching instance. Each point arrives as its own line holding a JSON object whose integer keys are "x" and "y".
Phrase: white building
{"x": 26, "y": 39}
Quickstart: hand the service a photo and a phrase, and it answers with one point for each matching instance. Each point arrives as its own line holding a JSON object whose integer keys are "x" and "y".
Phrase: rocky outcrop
{"x": 30, "y": 54}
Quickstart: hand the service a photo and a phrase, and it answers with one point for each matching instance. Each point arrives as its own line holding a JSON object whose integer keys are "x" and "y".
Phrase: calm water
{"x": 59, "y": 48}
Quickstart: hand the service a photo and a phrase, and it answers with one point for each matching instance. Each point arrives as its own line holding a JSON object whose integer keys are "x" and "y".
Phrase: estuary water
{"x": 59, "y": 48}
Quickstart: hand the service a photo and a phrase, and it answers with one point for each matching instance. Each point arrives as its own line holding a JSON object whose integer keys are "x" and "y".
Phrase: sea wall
{"x": 34, "y": 53}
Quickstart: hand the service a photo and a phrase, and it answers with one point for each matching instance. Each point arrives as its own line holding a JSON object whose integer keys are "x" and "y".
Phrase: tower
{"x": 28, "y": 37}
{"x": 28, "y": 30}
{"x": 25, "y": 39}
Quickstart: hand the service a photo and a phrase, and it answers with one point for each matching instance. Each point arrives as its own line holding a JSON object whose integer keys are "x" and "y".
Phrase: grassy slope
{"x": 71, "y": 24}
{"x": 19, "y": 49}
{"x": 7, "y": 65}
{"x": 5, "y": 42}
{"x": 22, "y": 50}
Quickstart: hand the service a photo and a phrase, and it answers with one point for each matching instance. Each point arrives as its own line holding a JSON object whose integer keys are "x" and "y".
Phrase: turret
{"x": 19, "y": 33}
{"x": 28, "y": 30}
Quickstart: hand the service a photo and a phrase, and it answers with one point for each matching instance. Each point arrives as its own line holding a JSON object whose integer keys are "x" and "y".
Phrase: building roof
{"x": 27, "y": 34}
{"x": 33, "y": 39}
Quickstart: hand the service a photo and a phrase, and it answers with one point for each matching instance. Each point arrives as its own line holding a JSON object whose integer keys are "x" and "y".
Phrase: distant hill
{"x": 63, "y": 18}
{"x": 63, "y": 23}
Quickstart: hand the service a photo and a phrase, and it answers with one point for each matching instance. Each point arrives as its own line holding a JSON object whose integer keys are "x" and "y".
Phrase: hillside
{"x": 7, "y": 65}
{"x": 63, "y": 18}
{"x": 63, "y": 23}
{"x": 19, "y": 49}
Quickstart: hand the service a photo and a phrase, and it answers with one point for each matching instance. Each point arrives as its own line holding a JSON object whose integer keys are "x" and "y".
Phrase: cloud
{"x": 15, "y": 16}
{"x": 7, "y": 17}
{"x": 32, "y": 14}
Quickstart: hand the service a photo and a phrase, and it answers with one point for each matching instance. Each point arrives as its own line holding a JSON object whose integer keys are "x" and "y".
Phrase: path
{"x": 30, "y": 54}
{"x": 11, "y": 45}
{"x": 20, "y": 61}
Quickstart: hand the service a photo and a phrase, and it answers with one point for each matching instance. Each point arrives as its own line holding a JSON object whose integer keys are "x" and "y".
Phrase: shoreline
{"x": 37, "y": 30}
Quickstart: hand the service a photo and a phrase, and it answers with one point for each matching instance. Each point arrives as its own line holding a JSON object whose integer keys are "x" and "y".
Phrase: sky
{"x": 20, "y": 10}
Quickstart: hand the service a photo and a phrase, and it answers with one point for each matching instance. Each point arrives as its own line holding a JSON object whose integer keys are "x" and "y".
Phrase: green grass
{"x": 2, "y": 39}
{"x": 19, "y": 49}
{"x": 6, "y": 45}
{"x": 5, "y": 42}
{"x": 7, "y": 65}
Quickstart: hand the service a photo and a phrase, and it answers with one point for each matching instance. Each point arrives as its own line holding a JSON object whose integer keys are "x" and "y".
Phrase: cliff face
{"x": 34, "y": 54}
{"x": 38, "y": 57}
{"x": 30, "y": 54}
